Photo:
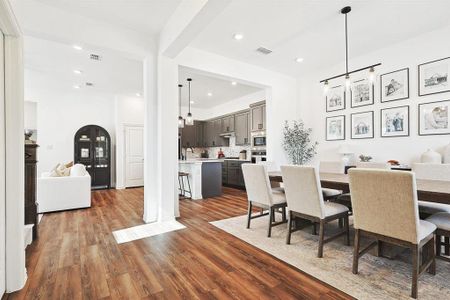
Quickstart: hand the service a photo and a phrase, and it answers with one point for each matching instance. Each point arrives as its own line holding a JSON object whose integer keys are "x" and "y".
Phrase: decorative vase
{"x": 431, "y": 157}
{"x": 447, "y": 154}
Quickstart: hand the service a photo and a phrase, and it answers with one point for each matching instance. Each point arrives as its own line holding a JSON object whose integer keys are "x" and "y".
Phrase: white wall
{"x": 128, "y": 111}
{"x": 59, "y": 118}
{"x": 231, "y": 106}
{"x": 30, "y": 115}
{"x": 410, "y": 53}
{"x": 281, "y": 91}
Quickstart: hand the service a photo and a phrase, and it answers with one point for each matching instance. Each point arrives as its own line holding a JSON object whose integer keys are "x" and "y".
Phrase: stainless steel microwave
{"x": 259, "y": 141}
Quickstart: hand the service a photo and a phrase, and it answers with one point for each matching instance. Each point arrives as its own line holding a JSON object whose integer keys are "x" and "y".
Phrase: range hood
{"x": 227, "y": 135}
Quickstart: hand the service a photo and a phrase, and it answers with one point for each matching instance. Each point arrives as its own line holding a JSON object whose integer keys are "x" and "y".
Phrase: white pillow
{"x": 78, "y": 170}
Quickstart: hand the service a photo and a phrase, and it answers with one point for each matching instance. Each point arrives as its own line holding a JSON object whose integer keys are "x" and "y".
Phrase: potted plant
{"x": 297, "y": 142}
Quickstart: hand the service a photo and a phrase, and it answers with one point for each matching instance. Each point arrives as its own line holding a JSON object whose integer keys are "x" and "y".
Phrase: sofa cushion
{"x": 78, "y": 170}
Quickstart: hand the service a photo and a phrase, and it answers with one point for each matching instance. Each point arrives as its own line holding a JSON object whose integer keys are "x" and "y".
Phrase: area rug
{"x": 378, "y": 278}
{"x": 146, "y": 230}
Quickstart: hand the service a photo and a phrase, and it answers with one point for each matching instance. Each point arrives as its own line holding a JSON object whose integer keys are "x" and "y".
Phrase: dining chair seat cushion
{"x": 328, "y": 193}
{"x": 431, "y": 208}
{"x": 332, "y": 208}
{"x": 345, "y": 198}
{"x": 425, "y": 229}
{"x": 441, "y": 220}
{"x": 278, "y": 198}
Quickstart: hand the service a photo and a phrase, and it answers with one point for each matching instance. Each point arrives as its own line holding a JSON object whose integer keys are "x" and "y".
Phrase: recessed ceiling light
{"x": 77, "y": 71}
{"x": 77, "y": 47}
{"x": 138, "y": 94}
{"x": 238, "y": 36}
{"x": 192, "y": 102}
{"x": 299, "y": 59}
{"x": 76, "y": 86}
{"x": 233, "y": 83}
{"x": 209, "y": 94}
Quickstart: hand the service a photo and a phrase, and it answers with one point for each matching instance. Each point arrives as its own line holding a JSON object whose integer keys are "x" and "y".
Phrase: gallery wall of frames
{"x": 392, "y": 87}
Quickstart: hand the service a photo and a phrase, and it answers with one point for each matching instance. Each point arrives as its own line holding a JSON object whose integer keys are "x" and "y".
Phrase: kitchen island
{"x": 205, "y": 177}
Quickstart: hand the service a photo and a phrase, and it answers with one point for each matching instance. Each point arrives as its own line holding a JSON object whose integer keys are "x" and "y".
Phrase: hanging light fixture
{"x": 189, "y": 119}
{"x": 180, "y": 118}
{"x": 347, "y": 73}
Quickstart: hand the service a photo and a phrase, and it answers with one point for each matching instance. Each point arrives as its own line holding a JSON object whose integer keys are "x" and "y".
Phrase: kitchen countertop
{"x": 209, "y": 160}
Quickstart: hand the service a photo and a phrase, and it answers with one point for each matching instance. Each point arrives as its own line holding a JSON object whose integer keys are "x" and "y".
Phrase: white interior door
{"x": 2, "y": 169}
{"x": 134, "y": 156}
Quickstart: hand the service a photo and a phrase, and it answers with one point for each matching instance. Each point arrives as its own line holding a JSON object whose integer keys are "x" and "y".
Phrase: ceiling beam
{"x": 188, "y": 20}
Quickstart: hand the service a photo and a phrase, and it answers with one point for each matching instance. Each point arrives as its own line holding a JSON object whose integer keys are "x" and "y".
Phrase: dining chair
{"x": 305, "y": 201}
{"x": 272, "y": 166}
{"x": 442, "y": 222}
{"x": 432, "y": 172}
{"x": 334, "y": 167}
{"x": 385, "y": 209}
{"x": 260, "y": 194}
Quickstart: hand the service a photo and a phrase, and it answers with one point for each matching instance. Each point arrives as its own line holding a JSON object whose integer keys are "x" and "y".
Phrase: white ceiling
{"x": 146, "y": 16}
{"x": 221, "y": 89}
{"x": 49, "y": 66}
{"x": 314, "y": 30}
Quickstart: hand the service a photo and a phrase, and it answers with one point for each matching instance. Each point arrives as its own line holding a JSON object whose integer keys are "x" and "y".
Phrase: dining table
{"x": 427, "y": 190}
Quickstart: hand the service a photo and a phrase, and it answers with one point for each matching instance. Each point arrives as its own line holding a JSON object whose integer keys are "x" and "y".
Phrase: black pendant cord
{"x": 179, "y": 99}
{"x": 346, "y": 45}
{"x": 189, "y": 86}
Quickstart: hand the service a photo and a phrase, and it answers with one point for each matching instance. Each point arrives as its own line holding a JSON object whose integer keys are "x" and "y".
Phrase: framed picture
{"x": 394, "y": 85}
{"x": 361, "y": 93}
{"x": 335, "y": 98}
{"x": 395, "y": 121}
{"x": 433, "y": 77}
{"x": 434, "y": 118}
{"x": 362, "y": 125}
{"x": 335, "y": 128}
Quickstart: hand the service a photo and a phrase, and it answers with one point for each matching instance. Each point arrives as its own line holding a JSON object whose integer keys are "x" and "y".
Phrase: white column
{"x": 151, "y": 166}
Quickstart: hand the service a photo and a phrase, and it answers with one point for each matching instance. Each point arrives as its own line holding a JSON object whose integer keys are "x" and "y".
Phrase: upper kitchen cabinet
{"x": 192, "y": 136}
{"x": 258, "y": 116}
{"x": 242, "y": 128}
{"x": 228, "y": 124}
{"x": 199, "y": 128}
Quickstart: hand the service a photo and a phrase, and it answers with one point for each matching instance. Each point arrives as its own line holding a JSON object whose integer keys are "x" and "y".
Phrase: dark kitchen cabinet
{"x": 228, "y": 124}
{"x": 242, "y": 128}
{"x": 208, "y": 133}
{"x": 258, "y": 116}
{"x": 192, "y": 136}
{"x": 232, "y": 173}
{"x": 199, "y": 127}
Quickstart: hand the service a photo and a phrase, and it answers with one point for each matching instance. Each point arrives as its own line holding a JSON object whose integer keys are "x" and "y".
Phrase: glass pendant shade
{"x": 372, "y": 75}
{"x": 347, "y": 82}
{"x": 325, "y": 87}
{"x": 189, "y": 120}
{"x": 180, "y": 122}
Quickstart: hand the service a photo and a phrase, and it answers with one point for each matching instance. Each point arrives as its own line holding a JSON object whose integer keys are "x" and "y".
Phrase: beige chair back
{"x": 336, "y": 167}
{"x": 303, "y": 191}
{"x": 373, "y": 165}
{"x": 257, "y": 184}
{"x": 385, "y": 202}
{"x": 432, "y": 171}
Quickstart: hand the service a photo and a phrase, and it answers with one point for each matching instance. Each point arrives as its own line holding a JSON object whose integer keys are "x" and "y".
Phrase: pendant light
{"x": 371, "y": 75}
{"x": 180, "y": 118}
{"x": 189, "y": 119}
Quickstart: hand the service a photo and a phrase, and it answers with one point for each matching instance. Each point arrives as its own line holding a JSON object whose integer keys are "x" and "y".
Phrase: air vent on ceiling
{"x": 89, "y": 84}
{"x": 264, "y": 51}
{"x": 95, "y": 57}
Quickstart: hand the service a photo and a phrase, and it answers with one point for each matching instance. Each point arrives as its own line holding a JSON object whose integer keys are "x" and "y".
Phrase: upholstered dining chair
{"x": 442, "y": 222}
{"x": 385, "y": 209}
{"x": 334, "y": 167}
{"x": 260, "y": 194}
{"x": 305, "y": 201}
{"x": 432, "y": 172}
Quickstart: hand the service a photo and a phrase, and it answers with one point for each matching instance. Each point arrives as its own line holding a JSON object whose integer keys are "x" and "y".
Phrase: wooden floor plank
{"x": 77, "y": 257}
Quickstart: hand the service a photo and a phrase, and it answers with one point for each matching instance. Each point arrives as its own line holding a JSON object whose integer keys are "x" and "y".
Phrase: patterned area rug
{"x": 378, "y": 278}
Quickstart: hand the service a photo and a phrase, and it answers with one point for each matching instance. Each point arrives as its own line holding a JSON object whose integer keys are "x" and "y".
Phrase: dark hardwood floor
{"x": 76, "y": 256}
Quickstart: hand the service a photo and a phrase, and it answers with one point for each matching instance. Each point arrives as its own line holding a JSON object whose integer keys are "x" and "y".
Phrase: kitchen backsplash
{"x": 230, "y": 151}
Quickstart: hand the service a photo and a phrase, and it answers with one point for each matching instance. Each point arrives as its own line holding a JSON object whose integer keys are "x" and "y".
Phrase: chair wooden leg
{"x": 321, "y": 238}
{"x": 314, "y": 228}
{"x": 447, "y": 245}
{"x": 283, "y": 217}
{"x": 379, "y": 248}
{"x": 432, "y": 253}
{"x": 438, "y": 245}
{"x": 356, "y": 252}
{"x": 347, "y": 230}
{"x": 288, "y": 238}
{"x": 249, "y": 217}
{"x": 341, "y": 223}
{"x": 269, "y": 230}
{"x": 415, "y": 272}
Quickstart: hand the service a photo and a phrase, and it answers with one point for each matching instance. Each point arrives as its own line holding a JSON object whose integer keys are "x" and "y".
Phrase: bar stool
{"x": 181, "y": 187}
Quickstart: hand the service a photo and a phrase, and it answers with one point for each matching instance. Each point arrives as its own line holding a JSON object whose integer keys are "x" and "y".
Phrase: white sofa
{"x": 62, "y": 193}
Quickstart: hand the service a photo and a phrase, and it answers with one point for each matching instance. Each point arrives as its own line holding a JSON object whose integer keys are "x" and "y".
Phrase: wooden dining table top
{"x": 427, "y": 190}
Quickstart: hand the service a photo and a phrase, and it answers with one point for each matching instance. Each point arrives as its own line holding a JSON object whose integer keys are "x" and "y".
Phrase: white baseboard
{"x": 28, "y": 234}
